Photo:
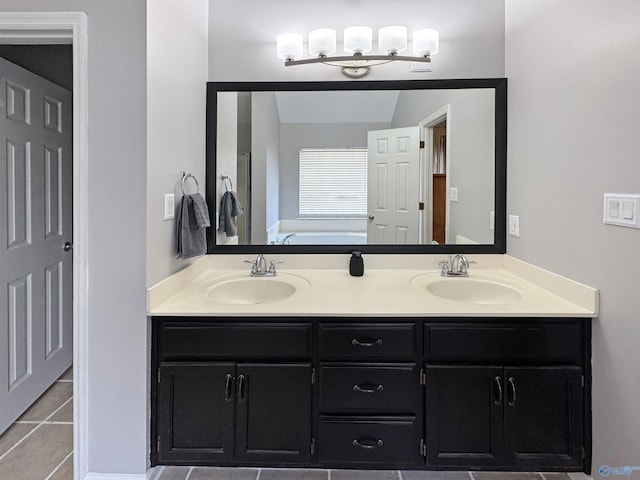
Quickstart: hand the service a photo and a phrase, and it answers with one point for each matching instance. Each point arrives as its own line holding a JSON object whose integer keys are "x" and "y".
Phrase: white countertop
{"x": 381, "y": 291}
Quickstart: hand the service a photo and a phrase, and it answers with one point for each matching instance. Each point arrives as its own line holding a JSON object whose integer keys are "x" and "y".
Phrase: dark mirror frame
{"x": 498, "y": 84}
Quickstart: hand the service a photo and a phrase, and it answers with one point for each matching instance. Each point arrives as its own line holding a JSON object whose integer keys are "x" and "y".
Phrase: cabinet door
{"x": 543, "y": 416}
{"x": 196, "y": 412}
{"x": 273, "y": 413}
{"x": 464, "y": 415}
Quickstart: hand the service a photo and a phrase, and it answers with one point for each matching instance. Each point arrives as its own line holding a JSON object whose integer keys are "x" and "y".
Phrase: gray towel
{"x": 193, "y": 218}
{"x": 230, "y": 208}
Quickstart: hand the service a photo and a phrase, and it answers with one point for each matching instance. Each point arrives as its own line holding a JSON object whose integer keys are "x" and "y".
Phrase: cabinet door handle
{"x": 366, "y": 342}
{"x": 368, "y": 388}
{"x": 368, "y": 443}
{"x": 241, "y": 388}
{"x": 228, "y": 387}
{"x": 512, "y": 384}
{"x": 498, "y": 401}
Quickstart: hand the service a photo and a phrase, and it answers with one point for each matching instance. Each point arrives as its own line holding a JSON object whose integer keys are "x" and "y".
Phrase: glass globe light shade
{"x": 358, "y": 39}
{"x": 426, "y": 41}
{"x": 322, "y": 42}
{"x": 289, "y": 46}
{"x": 392, "y": 40}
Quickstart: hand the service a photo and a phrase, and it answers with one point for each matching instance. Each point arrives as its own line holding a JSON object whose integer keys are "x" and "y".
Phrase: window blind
{"x": 333, "y": 182}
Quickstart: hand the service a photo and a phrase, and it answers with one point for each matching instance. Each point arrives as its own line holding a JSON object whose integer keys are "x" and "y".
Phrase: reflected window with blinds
{"x": 333, "y": 182}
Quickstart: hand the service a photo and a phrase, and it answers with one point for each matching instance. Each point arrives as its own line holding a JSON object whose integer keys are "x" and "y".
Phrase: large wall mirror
{"x": 381, "y": 167}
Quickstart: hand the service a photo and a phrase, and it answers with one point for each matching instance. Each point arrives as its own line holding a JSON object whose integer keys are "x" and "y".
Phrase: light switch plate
{"x": 622, "y": 209}
{"x": 514, "y": 225}
{"x": 492, "y": 220}
{"x": 168, "y": 206}
{"x": 453, "y": 194}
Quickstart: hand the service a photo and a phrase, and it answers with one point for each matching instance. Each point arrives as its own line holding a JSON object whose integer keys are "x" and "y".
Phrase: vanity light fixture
{"x": 357, "y": 43}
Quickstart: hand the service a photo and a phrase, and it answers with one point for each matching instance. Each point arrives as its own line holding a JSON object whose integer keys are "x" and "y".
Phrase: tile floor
{"x": 205, "y": 473}
{"x": 39, "y": 445}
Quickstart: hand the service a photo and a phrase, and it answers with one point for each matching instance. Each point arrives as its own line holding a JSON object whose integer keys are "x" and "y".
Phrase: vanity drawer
{"x": 368, "y": 388}
{"x": 351, "y": 440}
{"x": 210, "y": 340}
{"x": 367, "y": 341}
{"x": 504, "y": 342}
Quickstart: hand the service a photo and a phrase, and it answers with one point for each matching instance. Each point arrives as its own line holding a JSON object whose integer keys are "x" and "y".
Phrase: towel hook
{"x": 185, "y": 176}
{"x": 228, "y": 184}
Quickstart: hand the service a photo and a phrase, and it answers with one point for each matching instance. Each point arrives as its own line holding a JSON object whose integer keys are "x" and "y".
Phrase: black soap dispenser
{"x": 356, "y": 264}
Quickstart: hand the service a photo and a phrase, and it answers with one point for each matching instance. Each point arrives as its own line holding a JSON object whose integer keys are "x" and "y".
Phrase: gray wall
{"x": 574, "y": 119}
{"x": 118, "y": 366}
{"x": 265, "y": 155}
{"x": 243, "y": 35}
{"x": 177, "y": 75}
{"x": 294, "y": 136}
{"x": 472, "y": 153}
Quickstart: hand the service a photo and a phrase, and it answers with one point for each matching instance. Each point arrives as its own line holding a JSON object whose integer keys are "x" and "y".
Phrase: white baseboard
{"x": 121, "y": 476}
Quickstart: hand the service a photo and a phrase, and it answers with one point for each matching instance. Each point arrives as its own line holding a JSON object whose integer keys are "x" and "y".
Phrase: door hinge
{"x": 423, "y": 377}
{"x": 420, "y": 205}
{"x": 582, "y": 380}
{"x": 158, "y": 375}
{"x": 421, "y": 143}
{"x": 583, "y": 453}
{"x": 158, "y": 444}
{"x": 423, "y": 447}
{"x": 313, "y": 376}
{"x": 313, "y": 446}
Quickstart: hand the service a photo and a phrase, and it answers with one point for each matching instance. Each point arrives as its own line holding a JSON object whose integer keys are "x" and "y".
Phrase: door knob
{"x": 371, "y": 217}
{"x": 67, "y": 246}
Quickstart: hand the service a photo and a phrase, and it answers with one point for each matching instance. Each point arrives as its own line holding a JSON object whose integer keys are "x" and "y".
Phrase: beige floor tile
{"x": 213, "y": 473}
{"x": 65, "y": 414}
{"x": 68, "y": 375}
{"x": 45, "y": 448}
{"x": 364, "y": 475}
{"x": 432, "y": 475}
{"x": 65, "y": 472}
{"x": 506, "y": 476}
{"x": 556, "y": 476}
{"x": 13, "y": 435}
{"x": 293, "y": 474}
{"x": 49, "y": 402}
{"x": 175, "y": 473}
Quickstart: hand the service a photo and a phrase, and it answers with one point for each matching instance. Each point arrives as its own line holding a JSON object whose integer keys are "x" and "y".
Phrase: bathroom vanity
{"x": 374, "y": 373}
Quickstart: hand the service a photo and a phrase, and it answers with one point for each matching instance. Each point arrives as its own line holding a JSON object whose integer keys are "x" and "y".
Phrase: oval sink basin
{"x": 247, "y": 290}
{"x": 479, "y": 292}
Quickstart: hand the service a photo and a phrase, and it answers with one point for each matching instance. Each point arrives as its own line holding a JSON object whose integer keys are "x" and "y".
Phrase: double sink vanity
{"x": 400, "y": 368}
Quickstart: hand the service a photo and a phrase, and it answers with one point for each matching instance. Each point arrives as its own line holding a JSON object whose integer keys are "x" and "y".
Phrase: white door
{"x": 393, "y": 186}
{"x": 36, "y": 304}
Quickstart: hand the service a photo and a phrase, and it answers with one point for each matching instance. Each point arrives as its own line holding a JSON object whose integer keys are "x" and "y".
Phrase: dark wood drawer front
{"x": 235, "y": 340}
{"x": 355, "y": 440}
{"x": 376, "y": 341}
{"x": 504, "y": 343}
{"x": 368, "y": 388}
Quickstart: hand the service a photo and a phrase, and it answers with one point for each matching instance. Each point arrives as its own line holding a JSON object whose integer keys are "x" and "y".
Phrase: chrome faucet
{"x": 259, "y": 267}
{"x": 286, "y": 238}
{"x": 457, "y": 266}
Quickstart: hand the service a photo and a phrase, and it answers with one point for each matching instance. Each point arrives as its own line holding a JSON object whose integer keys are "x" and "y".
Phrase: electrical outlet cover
{"x": 514, "y": 225}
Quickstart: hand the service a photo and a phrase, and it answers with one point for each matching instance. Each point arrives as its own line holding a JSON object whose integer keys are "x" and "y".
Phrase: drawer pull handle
{"x": 368, "y": 388}
{"x": 228, "y": 387}
{"x": 368, "y": 443}
{"x": 366, "y": 343}
{"x": 241, "y": 388}
{"x": 499, "y": 399}
{"x": 512, "y": 383}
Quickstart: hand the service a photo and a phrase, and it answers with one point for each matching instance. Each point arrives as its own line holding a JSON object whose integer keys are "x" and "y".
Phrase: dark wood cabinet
{"x": 273, "y": 419}
{"x": 464, "y": 416}
{"x": 381, "y": 393}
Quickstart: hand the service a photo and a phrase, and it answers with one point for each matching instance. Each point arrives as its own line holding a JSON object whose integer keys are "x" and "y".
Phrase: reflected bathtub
{"x": 325, "y": 238}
